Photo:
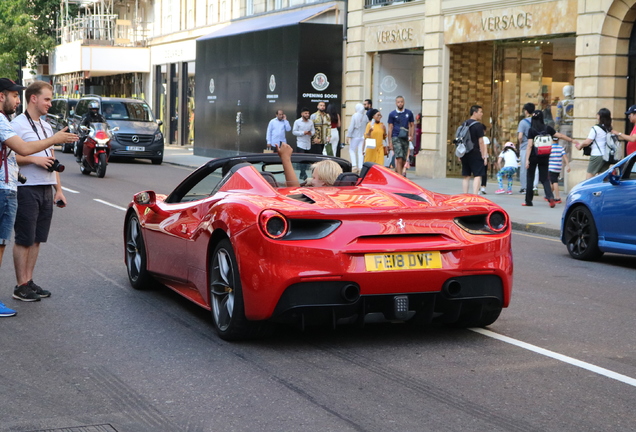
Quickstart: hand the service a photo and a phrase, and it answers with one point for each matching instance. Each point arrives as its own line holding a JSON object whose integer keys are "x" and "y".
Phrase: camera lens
{"x": 57, "y": 166}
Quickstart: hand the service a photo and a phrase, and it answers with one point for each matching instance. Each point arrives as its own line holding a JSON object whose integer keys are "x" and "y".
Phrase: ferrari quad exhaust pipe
{"x": 452, "y": 288}
{"x": 350, "y": 293}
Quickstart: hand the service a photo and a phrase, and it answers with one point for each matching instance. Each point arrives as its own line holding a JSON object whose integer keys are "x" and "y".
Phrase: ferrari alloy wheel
{"x": 581, "y": 237}
{"x": 226, "y": 295}
{"x": 136, "y": 255}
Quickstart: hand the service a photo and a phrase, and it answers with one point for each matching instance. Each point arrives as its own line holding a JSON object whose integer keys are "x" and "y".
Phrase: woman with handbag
{"x": 596, "y": 142}
{"x": 374, "y": 135}
{"x": 536, "y": 157}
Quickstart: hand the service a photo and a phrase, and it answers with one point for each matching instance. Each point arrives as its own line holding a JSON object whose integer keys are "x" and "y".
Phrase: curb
{"x": 536, "y": 229}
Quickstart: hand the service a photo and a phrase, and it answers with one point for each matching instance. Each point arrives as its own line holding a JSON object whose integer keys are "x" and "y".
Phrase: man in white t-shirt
{"x": 10, "y": 144}
{"x": 35, "y": 196}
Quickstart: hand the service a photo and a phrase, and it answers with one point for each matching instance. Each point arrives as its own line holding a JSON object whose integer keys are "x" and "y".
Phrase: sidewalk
{"x": 539, "y": 219}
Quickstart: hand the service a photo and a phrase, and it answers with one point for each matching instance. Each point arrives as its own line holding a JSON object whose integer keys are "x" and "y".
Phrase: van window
{"x": 82, "y": 107}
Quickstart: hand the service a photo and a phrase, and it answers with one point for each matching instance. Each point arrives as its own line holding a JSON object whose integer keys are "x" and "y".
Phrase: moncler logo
{"x": 320, "y": 82}
{"x": 272, "y": 83}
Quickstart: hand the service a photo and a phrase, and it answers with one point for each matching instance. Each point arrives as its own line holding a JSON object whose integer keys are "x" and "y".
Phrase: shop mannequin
{"x": 565, "y": 112}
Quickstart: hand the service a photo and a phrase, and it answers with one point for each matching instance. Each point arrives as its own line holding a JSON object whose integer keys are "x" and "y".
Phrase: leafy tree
{"x": 27, "y": 32}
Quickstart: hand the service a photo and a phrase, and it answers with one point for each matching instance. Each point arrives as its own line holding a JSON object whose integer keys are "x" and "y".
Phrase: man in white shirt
{"x": 276, "y": 130}
{"x": 12, "y": 143}
{"x": 35, "y": 196}
{"x": 303, "y": 130}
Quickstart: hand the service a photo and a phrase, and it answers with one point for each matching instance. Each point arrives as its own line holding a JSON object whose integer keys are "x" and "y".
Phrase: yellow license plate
{"x": 403, "y": 261}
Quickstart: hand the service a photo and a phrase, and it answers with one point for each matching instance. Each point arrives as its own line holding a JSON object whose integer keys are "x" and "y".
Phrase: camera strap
{"x": 32, "y": 123}
{"x": 5, "y": 154}
{"x": 35, "y": 129}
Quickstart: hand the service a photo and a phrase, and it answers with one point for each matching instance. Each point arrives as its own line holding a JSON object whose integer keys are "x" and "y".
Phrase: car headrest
{"x": 346, "y": 179}
{"x": 365, "y": 168}
{"x": 270, "y": 178}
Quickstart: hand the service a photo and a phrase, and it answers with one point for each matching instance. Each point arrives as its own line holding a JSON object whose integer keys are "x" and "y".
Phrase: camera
{"x": 57, "y": 166}
{"x": 21, "y": 178}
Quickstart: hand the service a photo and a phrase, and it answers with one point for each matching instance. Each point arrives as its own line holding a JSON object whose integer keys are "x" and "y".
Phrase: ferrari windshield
{"x": 127, "y": 110}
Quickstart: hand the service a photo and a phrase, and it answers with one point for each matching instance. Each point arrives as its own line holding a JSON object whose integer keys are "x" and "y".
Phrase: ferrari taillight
{"x": 497, "y": 221}
{"x": 273, "y": 224}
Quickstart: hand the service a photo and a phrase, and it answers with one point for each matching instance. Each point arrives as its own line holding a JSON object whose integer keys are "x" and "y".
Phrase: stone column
{"x": 600, "y": 81}
{"x": 431, "y": 160}
{"x": 355, "y": 80}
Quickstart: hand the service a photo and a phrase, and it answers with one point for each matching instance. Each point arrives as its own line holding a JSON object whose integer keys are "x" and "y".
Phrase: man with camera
{"x": 35, "y": 196}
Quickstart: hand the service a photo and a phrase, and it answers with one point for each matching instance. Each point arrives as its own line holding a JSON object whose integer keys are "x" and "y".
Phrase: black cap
{"x": 7, "y": 84}
{"x": 630, "y": 110}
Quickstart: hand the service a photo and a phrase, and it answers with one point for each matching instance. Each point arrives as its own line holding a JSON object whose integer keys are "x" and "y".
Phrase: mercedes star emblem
{"x": 135, "y": 139}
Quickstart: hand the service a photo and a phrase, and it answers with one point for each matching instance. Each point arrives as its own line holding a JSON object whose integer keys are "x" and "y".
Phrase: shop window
{"x": 379, "y": 3}
{"x": 395, "y": 74}
{"x": 533, "y": 71}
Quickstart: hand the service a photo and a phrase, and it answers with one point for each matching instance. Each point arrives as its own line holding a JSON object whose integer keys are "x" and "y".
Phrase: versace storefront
{"x": 568, "y": 57}
{"x": 503, "y": 59}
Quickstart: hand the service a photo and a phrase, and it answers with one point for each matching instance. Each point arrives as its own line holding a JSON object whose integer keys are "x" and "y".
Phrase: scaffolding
{"x": 103, "y": 22}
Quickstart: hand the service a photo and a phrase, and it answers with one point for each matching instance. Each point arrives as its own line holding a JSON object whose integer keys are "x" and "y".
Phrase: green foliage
{"x": 27, "y": 31}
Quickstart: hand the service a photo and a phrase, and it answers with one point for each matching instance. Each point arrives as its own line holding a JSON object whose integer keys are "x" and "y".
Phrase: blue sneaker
{"x": 5, "y": 311}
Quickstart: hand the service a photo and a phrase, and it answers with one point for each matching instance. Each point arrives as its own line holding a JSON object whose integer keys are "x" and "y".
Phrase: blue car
{"x": 600, "y": 213}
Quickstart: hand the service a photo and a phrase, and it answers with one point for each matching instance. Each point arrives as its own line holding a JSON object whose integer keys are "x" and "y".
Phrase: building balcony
{"x": 368, "y": 4}
{"x": 104, "y": 30}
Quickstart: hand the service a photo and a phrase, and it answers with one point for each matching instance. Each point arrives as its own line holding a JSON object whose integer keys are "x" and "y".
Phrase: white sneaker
{"x": 482, "y": 191}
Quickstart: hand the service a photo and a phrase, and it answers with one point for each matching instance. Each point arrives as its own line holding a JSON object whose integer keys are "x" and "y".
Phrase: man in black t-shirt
{"x": 474, "y": 162}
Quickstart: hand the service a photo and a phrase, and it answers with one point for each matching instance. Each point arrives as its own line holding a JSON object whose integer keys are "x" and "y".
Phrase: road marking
{"x": 69, "y": 190}
{"x": 537, "y": 237}
{"x": 109, "y": 204}
{"x": 535, "y": 223}
{"x": 578, "y": 363}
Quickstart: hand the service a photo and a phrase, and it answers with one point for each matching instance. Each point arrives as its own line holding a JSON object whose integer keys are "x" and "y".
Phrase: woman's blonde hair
{"x": 327, "y": 171}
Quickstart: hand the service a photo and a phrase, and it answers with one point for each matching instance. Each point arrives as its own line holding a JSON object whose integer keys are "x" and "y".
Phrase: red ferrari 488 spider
{"x": 254, "y": 251}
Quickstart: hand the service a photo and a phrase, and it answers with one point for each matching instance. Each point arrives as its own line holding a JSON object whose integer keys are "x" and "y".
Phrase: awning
{"x": 269, "y": 21}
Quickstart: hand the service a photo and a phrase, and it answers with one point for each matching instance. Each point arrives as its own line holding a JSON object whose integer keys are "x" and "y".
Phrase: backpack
{"x": 611, "y": 146}
{"x": 543, "y": 143}
{"x": 462, "y": 140}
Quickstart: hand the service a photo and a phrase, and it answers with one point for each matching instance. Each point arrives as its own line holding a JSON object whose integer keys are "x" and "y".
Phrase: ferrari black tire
{"x": 101, "y": 166}
{"x": 478, "y": 315}
{"x": 581, "y": 236}
{"x": 136, "y": 256}
{"x": 226, "y": 296}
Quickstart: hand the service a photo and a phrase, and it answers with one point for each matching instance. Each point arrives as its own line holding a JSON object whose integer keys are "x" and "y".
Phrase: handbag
{"x": 404, "y": 133}
{"x": 369, "y": 142}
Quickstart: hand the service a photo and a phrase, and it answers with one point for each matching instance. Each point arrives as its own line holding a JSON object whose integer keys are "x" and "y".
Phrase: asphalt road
{"x": 100, "y": 356}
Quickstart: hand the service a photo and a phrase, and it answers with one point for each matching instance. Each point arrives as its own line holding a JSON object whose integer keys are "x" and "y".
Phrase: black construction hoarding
{"x": 243, "y": 79}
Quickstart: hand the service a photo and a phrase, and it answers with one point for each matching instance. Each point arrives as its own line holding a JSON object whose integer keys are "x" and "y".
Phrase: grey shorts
{"x": 400, "y": 147}
{"x": 597, "y": 165}
{"x": 8, "y": 209}
{"x": 35, "y": 211}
